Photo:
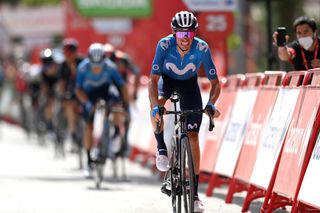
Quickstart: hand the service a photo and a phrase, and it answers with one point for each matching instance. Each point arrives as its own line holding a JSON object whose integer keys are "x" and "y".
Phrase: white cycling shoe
{"x": 162, "y": 163}
{"x": 198, "y": 206}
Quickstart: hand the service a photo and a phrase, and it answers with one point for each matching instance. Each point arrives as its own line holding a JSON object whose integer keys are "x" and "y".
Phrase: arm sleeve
{"x": 159, "y": 57}
{"x": 209, "y": 66}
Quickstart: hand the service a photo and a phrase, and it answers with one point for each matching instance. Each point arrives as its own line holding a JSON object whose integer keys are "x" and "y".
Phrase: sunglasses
{"x": 186, "y": 34}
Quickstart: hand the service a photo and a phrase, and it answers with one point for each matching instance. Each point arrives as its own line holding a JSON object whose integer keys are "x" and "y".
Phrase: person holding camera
{"x": 303, "y": 52}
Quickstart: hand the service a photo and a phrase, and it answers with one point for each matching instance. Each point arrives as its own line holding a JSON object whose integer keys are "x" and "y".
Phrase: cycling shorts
{"x": 103, "y": 93}
{"x": 189, "y": 94}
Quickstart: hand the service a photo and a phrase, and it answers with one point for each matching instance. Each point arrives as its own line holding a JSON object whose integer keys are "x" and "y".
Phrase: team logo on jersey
{"x": 177, "y": 71}
{"x": 94, "y": 83}
{"x": 202, "y": 47}
{"x": 164, "y": 44}
{"x": 155, "y": 67}
{"x": 191, "y": 57}
{"x": 193, "y": 126}
{"x": 212, "y": 71}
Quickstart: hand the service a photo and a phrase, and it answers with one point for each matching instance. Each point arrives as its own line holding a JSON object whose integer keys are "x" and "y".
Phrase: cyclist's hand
{"x": 212, "y": 110}
{"x": 88, "y": 106}
{"x": 155, "y": 112}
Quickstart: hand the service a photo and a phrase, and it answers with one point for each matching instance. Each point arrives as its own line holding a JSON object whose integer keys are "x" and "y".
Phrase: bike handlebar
{"x": 187, "y": 112}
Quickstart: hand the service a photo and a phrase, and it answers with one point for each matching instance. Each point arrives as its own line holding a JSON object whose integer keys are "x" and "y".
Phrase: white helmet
{"x": 96, "y": 53}
{"x": 184, "y": 20}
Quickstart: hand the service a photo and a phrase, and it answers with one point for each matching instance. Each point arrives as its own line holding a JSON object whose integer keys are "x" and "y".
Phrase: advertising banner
{"x": 233, "y": 137}
{"x": 310, "y": 188}
{"x": 261, "y": 114}
{"x": 212, "y": 5}
{"x": 273, "y": 137}
{"x": 296, "y": 143}
{"x": 129, "y": 8}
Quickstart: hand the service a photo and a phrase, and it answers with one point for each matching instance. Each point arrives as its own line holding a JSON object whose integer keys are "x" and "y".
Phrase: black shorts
{"x": 189, "y": 94}
{"x": 104, "y": 94}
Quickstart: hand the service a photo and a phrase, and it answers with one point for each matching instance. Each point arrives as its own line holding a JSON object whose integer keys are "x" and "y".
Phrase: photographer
{"x": 303, "y": 52}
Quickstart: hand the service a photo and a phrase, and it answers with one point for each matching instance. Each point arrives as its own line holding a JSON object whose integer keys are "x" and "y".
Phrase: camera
{"x": 281, "y": 37}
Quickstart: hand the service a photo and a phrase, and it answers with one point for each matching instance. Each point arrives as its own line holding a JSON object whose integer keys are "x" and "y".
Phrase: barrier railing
{"x": 230, "y": 86}
{"x": 270, "y": 145}
{"x": 261, "y": 112}
{"x": 232, "y": 139}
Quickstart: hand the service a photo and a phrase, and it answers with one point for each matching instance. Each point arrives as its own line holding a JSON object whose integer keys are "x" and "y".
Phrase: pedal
{"x": 164, "y": 190}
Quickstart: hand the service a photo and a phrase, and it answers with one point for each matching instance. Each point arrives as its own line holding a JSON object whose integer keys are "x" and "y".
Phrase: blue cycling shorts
{"x": 189, "y": 94}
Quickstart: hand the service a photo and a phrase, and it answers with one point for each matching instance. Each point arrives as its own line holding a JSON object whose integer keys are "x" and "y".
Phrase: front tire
{"x": 187, "y": 176}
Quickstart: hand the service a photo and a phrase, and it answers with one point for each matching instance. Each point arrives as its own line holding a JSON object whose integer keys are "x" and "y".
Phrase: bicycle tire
{"x": 187, "y": 175}
{"x": 174, "y": 180}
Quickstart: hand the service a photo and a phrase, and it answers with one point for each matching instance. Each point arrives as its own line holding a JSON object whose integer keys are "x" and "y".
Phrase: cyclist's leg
{"x": 71, "y": 115}
{"x": 165, "y": 89}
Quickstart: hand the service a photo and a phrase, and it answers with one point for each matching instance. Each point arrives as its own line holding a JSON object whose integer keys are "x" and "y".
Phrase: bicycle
{"x": 105, "y": 139}
{"x": 179, "y": 179}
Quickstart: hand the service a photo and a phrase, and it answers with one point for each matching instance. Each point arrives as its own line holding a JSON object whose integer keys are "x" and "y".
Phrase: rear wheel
{"x": 187, "y": 176}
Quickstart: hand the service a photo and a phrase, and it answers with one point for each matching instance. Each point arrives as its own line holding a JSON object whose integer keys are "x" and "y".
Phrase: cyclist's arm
{"x": 212, "y": 76}
{"x": 80, "y": 93}
{"x": 136, "y": 72}
{"x": 153, "y": 89}
{"x": 156, "y": 72}
{"x": 214, "y": 91}
{"x": 120, "y": 83}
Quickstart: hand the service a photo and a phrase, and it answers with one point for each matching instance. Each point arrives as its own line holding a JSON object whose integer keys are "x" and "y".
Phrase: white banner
{"x": 233, "y": 138}
{"x": 211, "y": 5}
{"x": 310, "y": 188}
{"x": 273, "y": 137}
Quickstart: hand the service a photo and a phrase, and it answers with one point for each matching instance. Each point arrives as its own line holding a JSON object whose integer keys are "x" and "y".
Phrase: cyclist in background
{"x": 125, "y": 67}
{"x": 67, "y": 83}
{"x": 49, "y": 72}
{"x": 95, "y": 75}
{"x": 174, "y": 69}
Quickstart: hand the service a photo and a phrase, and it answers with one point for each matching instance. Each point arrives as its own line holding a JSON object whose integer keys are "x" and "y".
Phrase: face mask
{"x": 306, "y": 42}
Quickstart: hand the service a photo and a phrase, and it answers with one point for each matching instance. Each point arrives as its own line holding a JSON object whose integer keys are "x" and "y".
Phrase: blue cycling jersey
{"x": 90, "y": 82}
{"x": 168, "y": 61}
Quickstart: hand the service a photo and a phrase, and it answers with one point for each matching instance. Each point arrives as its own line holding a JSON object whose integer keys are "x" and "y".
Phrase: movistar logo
{"x": 164, "y": 44}
{"x": 177, "y": 71}
{"x": 194, "y": 126}
{"x": 202, "y": 47}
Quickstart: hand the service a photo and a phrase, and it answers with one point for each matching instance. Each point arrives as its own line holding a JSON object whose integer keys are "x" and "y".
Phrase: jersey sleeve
{"x": 208, "y": 64}
{"x": 157, "y": 63}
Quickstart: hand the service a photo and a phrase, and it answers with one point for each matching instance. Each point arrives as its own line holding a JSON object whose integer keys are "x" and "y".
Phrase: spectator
{"x": 303, "y": 52}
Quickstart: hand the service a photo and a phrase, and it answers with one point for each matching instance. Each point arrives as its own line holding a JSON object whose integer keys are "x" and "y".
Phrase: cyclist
{"x": 95, "y": 75}
{"x": 49, "y": 72}
{"x": 125, "y": 67}
{"x": 174, "y": 68}
{"x": 67, "y": 83}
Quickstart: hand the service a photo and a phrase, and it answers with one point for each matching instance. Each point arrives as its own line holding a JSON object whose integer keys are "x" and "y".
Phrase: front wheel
{"x": 187, "y": 176}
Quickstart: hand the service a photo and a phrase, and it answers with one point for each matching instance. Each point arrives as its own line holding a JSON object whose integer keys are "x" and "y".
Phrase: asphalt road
{"x": 33, "y": 180}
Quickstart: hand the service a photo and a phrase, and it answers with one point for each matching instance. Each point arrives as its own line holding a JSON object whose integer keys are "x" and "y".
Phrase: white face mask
{"x": 305, "y": 42}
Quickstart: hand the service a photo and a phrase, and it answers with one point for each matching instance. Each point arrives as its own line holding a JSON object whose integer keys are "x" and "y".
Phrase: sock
{"x": 161, "y": 145}
{"x": 116, "y": 131}
{"x": 89, "y": 157}
{"x": 196, "y": 182}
